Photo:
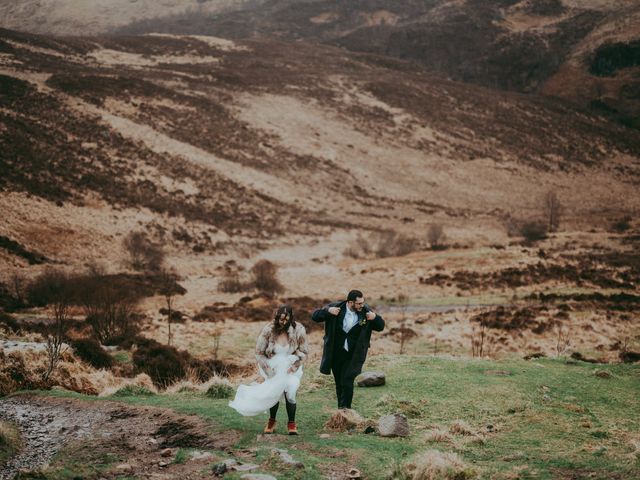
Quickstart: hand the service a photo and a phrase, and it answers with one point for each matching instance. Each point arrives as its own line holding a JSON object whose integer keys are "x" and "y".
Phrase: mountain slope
{"x": 216, "y": 146}
{"x": 548, "y": 46}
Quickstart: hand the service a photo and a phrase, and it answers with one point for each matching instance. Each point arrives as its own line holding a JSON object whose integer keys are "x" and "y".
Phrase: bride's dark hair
{"x": 288, "y": 311}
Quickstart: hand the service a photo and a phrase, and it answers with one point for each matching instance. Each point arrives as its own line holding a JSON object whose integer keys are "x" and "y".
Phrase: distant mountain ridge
{"x": 532, "y": 46}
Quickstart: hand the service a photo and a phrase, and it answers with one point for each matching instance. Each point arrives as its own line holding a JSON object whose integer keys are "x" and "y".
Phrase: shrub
{"x": 109, "y": 306}
{"x": 621, "y": 225}
{"x": 49, "y": 287}
{"x": 90, "y": 351}
{"x": 133, "y": 391}
{"x": 380, "y": 244}
{"x": 144, "y": 255}
{"x": 552, "y": 209}
{"x": 533, "y": 231}
{"x": 265, "y": 277}
{"x": 435, "y": 465}
{"x": 435, "y": 236}
{"x": 162, "y": 363}
{"x": 9, "y": 321}
{"x": 231, "y": 283}
{"x": 9, "y": 441}
{"x": 393, "y": 244}
{"x": 220, "y": 390}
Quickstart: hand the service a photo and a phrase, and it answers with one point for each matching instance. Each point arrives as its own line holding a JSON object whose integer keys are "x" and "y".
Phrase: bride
{"x": 280, "y": 351}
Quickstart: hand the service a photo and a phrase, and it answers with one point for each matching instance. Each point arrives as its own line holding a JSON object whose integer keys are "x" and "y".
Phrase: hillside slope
{"x": 212, "y": 145}
{"x": 585, "y": 51}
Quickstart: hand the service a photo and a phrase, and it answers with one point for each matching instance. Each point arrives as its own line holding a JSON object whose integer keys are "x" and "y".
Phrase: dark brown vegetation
{"x": 469, "y": 41}
{"x": 261, "y": 308}
{"x": 15, "y": 248}
{"x": 535, "y": 319}
{"x": 585, "y": 272}
{"x": 89, "y": 350}
{"x": 265, "y": 277}
{"x": 166, "y": 365}
{"x": 144, "y": 255}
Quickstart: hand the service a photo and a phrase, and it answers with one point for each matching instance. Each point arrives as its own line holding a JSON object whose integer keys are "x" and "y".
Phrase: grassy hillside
{"x": 543, "y": 419}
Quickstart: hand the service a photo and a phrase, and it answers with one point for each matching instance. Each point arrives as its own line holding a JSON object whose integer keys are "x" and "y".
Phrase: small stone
{"x": 162, "y": 464}
{"x": 324, "y": 435}
{"x": 395, "y": 425}
{"x": 245, "y": 467}
{"x": 167, "y": 452}
{"x": 546, "y": 398}
{"x": 602, "y": 374}
{"x": 198, "y": 455}
{"x": 124, "y": 467}
{"x": 286, "y": 458}
{"x": 371, "y": 379}
{"x": 220, "y": 469}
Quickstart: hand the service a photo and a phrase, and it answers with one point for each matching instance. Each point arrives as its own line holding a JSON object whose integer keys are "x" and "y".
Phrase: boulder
{"x": 371, "y": 379}
{"x": 395, "y": 425}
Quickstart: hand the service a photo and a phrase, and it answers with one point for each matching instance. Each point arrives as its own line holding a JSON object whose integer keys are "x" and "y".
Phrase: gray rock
{"x": 371, "y": 379}
{"x": 220, "y": 469}
{"x": 395, "y": 425}
{"x": 258, "y": 476}
{"x": 245, "y": 467}
{"x": 286, "y": 458}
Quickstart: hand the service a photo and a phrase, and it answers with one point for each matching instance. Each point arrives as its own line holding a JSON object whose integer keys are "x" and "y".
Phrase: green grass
{"x": 9, "y": 441}
{"x": 542, "y": 420}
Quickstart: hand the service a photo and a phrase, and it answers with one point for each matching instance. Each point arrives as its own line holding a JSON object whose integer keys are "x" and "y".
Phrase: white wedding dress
{"x": 257, "y": 398}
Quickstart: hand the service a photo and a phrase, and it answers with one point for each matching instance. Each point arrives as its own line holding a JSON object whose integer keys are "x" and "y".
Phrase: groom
{"x": 347, "y": 328}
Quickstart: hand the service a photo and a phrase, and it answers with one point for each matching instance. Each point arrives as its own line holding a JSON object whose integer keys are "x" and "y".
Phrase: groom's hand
{"x": 371, "y": 315}
{"x": 333, "y": 310}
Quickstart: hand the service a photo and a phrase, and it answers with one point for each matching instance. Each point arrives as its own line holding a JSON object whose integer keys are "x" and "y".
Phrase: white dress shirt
{"x": 350, "y": 320}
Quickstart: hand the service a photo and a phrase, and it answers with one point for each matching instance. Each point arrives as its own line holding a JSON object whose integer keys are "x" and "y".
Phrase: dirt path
{"x": 140, "y": 441}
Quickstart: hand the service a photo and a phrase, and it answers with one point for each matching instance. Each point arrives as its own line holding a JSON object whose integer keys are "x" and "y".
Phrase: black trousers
{"x": 344, "y": 380}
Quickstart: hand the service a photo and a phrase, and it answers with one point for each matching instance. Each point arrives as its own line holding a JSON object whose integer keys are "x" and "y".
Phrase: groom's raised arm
{"x": 322, "y": 314}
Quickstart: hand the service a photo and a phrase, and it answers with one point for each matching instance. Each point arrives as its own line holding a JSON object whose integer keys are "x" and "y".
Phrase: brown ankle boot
{"x": 292, "y": 428}
{"x": 271, "y": 426}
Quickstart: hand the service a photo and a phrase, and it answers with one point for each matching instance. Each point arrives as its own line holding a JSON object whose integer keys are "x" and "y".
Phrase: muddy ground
{"x": 134, "y": 441}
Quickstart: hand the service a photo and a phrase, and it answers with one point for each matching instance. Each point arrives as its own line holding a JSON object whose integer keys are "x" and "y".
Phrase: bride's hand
{"x": 292, "y": 369}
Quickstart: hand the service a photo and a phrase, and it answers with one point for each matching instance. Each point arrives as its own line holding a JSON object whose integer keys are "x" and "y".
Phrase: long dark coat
{"x": 361, "y": 346}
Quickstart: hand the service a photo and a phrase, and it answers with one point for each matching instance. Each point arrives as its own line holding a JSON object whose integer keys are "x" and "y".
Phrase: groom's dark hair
{"x": 287, "y": 310}
{"x": 353, "y": 294}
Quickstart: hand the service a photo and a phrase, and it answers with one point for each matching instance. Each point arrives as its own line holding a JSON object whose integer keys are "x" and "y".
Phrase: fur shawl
{"x": 267, "y": 342}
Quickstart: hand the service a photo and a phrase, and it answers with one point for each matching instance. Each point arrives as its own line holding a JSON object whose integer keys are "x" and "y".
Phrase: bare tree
{"x": 61, "y": 291}
{"x": 265, "y": 277}
{"x": 169, "y": 288}
{"x": 405, "y": 335}
{"x": 563, "y": 340}
{"x": 552, "y": 210}
{"x": 144, "y": 255}
{"x": 217, "y": 333}
{"x": 435, "y": 236}
{"x": 19, "y": 283}
{"x": 478, "y": 338}
{"x": 109, "y": 306}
